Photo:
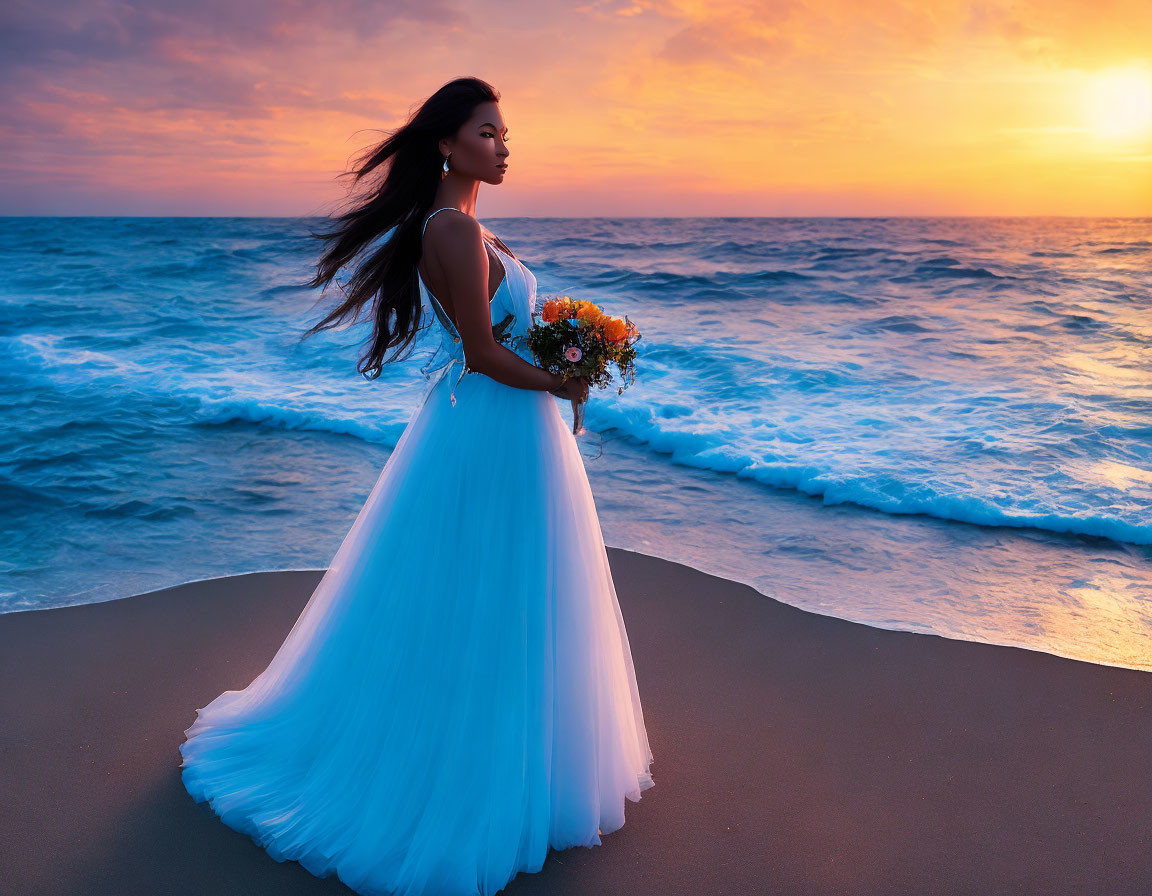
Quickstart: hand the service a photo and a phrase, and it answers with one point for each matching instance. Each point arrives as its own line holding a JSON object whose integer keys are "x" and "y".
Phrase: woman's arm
{"x": 459, "y": 238}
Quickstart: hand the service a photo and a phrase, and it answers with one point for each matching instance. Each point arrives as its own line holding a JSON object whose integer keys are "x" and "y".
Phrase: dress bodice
{"x": 512, "y": 305}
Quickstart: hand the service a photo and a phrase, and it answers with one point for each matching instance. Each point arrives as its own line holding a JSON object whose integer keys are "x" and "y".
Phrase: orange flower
{"x": 614, "y": 329}
{"x": 566, "y": 308}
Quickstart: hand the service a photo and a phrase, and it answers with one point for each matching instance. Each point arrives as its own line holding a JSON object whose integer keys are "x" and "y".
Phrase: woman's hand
{"x": 575, "y": 387}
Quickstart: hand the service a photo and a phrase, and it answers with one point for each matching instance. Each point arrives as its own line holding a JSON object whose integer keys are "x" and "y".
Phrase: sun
{"x": 1118, "y": 102}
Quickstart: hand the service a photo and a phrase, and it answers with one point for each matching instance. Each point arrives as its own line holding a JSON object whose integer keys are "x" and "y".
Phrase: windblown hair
{"x": 398, "y": 196}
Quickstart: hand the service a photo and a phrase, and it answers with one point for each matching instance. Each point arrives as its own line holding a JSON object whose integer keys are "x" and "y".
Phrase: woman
{"x": 458, "y": 695}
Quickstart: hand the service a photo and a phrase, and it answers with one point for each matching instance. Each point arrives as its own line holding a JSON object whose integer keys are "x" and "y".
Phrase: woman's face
{"x": 480, "y": 149}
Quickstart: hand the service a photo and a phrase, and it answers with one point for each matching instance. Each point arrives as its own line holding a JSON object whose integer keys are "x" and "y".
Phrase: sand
{"x": 795, "y": 753}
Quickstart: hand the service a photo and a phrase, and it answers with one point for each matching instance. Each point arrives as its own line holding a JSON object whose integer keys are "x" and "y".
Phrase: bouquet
{"x": 576, "y": 338}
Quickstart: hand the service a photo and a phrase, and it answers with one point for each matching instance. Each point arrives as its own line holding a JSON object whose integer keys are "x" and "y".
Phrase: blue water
{"x": 939, "y": 425}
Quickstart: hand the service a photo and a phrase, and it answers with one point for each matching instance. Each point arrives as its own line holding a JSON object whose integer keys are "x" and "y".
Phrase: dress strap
{"x": 436, "y": 306}
{"x": 446, "y": 322}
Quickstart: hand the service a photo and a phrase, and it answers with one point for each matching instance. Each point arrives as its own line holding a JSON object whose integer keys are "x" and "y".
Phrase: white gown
{"x": 458, "y": 695}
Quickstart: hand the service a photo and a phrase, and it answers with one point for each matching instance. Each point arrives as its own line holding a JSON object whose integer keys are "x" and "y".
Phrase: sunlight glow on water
{"x": 938, "y": 425}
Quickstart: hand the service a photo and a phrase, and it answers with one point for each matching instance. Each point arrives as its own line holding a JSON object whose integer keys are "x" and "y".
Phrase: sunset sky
{"x": 655, "y": 107}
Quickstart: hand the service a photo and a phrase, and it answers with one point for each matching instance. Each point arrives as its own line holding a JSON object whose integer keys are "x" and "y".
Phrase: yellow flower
{"x": 590, "y": 313}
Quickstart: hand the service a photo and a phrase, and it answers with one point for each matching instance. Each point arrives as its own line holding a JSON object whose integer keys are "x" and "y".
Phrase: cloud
{"x": 728, "y": 95}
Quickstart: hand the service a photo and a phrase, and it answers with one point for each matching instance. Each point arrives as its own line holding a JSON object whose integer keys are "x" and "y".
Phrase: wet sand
{"x": 794, "y": 753}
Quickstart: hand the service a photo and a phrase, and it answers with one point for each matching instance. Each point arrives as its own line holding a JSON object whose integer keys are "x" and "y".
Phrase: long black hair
{"x": 399, "y": 199}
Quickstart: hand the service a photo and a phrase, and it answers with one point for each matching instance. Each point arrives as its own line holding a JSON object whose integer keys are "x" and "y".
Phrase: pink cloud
{"x": 662, "y": 101}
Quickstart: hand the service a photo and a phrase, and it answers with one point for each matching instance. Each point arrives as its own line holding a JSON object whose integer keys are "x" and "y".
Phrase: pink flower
{"x": 572, "y": 353}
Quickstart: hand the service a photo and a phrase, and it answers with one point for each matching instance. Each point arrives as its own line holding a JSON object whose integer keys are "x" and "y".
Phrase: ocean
{"x": 940, "y": 425}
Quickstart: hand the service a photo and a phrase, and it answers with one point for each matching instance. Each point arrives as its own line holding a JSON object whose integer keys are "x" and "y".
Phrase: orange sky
{"x": 656, "y": 107}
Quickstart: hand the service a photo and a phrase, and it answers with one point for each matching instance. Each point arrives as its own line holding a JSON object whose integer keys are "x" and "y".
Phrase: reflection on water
{"x": 940, "y": 425}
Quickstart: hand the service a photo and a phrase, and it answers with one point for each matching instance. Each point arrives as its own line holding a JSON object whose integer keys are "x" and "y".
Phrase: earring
{"x": 444, "y": 173}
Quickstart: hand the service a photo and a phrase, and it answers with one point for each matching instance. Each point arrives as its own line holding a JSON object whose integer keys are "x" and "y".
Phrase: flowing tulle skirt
{"x": 458, "y": 695}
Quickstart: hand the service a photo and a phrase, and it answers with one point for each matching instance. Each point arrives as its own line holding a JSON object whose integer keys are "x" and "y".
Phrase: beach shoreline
{"x": 795, "y": 752}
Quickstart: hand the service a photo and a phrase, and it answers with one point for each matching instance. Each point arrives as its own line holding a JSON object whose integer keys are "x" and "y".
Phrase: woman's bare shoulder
{"x": 448, "y": 233}
{"x": 453, "y": 224}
